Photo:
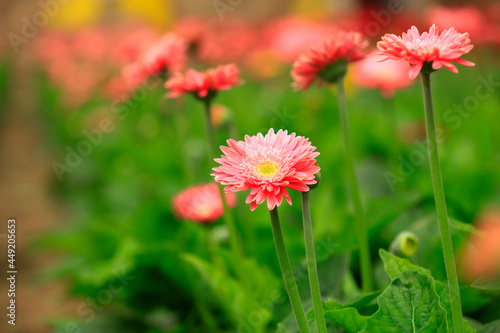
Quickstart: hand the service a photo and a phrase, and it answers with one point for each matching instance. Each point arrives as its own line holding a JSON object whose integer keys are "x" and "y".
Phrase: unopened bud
{"x": 405, "y": 244}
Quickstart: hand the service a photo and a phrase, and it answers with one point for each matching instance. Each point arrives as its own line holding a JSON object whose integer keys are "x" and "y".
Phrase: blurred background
{"x": 99, "y": 247}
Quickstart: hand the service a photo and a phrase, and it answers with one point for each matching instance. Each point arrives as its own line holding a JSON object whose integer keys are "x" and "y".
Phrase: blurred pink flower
{"x": 428, "y": 47}
{"x": 201, "y": 203}
{"x": 168, "y": 54}
{"x": 481, "y": 256}
{"x": 201, "y": 84}
{"x": 346, "y": 46}
{"x": 475, "y": 21}
{"x": 387, "y": 76}
{"x": 267, "y": 165}
{"x": 288, "y": 37}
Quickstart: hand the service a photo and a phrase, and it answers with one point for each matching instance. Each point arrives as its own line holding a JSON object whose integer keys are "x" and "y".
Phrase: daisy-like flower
{"x": 433, "y": 48}
{"x": 328, "y": 61}
{"x": 387, "y": 76}
{"x": 203, "y": 85}
{"x": 201, "y": 203}
{"x": 267, "y": 165}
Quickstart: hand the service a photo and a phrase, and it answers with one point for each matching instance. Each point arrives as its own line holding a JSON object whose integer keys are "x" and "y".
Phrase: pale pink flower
{"x": 267, "y": 165}
{"x": 202, "y": 83}
{"x": 428, "y": 47}
{"x": 387, "y": 76}
{"x": 167, "y": 54}
{"x": 346, "y": 46}
{"x": 201, "y": 203}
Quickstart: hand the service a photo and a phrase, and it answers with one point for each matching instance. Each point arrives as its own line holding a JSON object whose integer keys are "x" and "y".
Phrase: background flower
{"x": 201, "y": 203}
{"x": 346, "y": 46}
{"x": 221, "y": 78}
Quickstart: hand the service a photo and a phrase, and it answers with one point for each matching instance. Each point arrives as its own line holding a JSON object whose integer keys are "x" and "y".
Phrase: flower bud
{"x": 405, "y": 244}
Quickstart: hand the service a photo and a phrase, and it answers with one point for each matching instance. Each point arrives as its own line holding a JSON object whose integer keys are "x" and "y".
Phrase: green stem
{"x": 286, "y": 270}
{"x": 311, "y": 264}
{"x": 228, "y": 216}
{"x": 359, "y": 217}
{"x": 437, "y": 184}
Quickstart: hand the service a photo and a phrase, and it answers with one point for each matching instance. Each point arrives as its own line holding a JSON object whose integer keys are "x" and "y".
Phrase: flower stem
{"x": 228, "y": 213}
{"x": 311, "y": 264}
{"x": 286, "y": 270}
{"x": 359, "y": 217}
{"x": 437, "y": 184}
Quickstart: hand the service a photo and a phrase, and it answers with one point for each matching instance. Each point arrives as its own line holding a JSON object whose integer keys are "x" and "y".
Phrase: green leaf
{"x": 487, "y": 284}
{"x": 346, "y": 317}
{"x": 444, "y": 300}
{"x": 395, "y": 266}
{"x": 493, "y": 327}
{"x": 409, "y": 304}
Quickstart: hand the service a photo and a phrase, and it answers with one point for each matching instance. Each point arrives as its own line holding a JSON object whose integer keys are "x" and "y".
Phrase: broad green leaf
{"x": 409, "y": 304}
{"x": 492, "y": 327}
{"x": 444, "y": 300}
{"x": 364, "y": 301}
{"x": 395, "y": 266}
{"x": 348, "y": 318}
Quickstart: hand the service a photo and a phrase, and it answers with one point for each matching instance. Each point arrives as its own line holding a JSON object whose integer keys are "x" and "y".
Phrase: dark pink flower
{"x": 345, "y": 47}
{"x": 429, "y": 47}
{"x": 202, "y": 83}
{"x": 267, "y": 165}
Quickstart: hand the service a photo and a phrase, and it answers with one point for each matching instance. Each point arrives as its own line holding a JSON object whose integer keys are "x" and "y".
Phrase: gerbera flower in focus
{"x": 387, "y": 76}
{"x": 481, "y": 256}
{"x": 437, "y": 50}
{"x": 267, "y": 165}
{"x": 203, "y": 84}
{"x": 328, "y": 61}
{"x": 201, "y": 203}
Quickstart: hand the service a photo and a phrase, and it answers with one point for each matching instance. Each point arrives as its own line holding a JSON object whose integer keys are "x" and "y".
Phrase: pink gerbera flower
{"x": 201, "y": 203}
{"x": 267, "y": 165}
{"x": 202, "y": 84}
{"x": 328, "y": 60}
{"x": 387, "y": 76}
{"x": 439, "y": 50}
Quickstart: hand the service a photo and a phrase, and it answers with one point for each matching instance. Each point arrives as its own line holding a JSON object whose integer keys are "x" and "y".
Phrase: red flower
{"x": 345, "y": 47}
{"x": 429, "y": 47}
{"x": 201, "y": 84}
{"x": 202, "y": 203}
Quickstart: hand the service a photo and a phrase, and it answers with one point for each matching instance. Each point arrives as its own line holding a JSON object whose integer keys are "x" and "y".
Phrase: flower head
{"x": 328, "y": 61}
{"x": 267, "y": 165}
{"x": 429, "y": 47}
{"x": 201, "y": 203}
{"x": 201, "y": 84}
{"x": 387, "y": 76}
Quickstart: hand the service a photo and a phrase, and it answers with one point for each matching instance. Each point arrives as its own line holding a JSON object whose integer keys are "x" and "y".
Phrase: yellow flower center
{"x": 267, "y": 169}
